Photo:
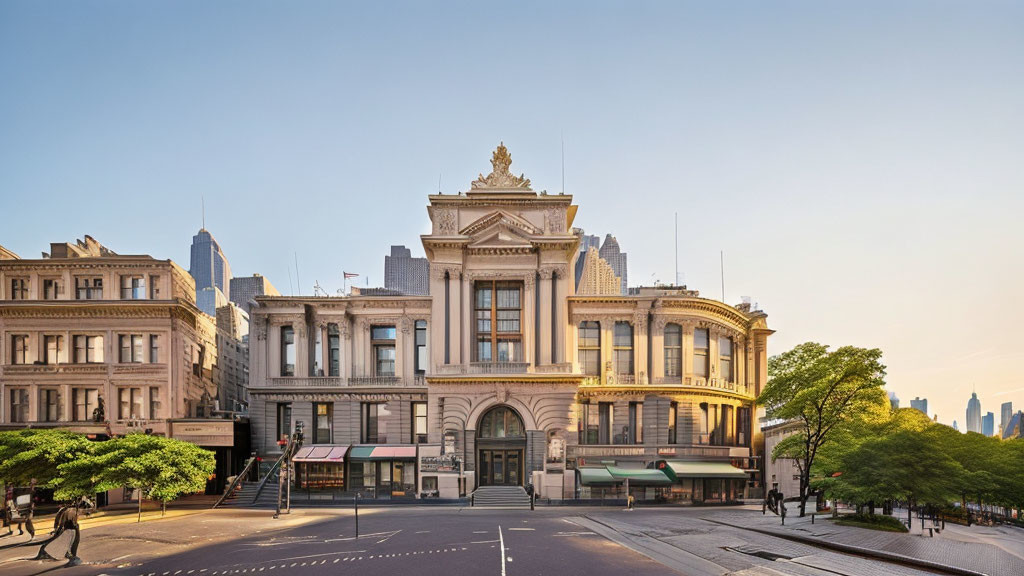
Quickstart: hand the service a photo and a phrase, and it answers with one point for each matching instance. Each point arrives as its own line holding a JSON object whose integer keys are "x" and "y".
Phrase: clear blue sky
{"x": 859, "y": 163}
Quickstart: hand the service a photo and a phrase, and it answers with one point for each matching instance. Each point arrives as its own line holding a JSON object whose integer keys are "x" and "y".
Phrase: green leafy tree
{"x": 820, "y": 389}
{"x": 37, "y": 454}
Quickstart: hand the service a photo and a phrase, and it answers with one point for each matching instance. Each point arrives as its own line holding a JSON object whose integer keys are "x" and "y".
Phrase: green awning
{"x": 596, "y": 477}
{"x": 676, "y": 469}
{"x": 640, "y": 476}
{"x": 360, "y": 452}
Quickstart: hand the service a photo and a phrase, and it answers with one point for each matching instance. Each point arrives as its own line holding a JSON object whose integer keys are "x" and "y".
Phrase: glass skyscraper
{"x": 209, "y": 267}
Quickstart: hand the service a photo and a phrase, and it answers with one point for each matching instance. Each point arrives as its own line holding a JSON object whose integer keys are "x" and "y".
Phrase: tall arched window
{"x": 590, "y": 348}
{"x": 501, "y": 422}
{"x": 673, "y": 351}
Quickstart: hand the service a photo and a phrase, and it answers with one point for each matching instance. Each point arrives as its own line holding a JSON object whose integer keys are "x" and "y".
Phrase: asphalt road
{"x": 421, "y": 541}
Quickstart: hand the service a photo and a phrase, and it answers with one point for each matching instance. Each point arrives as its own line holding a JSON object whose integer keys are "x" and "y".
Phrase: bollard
{"x": 533, "y": 498}
{"x": 812, "y": 518}
{"x": 355, "y": 502}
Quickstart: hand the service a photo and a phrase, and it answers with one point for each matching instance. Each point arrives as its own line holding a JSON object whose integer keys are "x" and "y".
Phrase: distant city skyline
{"x": 846, "y": 164}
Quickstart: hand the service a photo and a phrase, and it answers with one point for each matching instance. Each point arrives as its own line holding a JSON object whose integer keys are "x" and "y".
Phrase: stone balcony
{"x": 322, "y": 382}
{"x": 36, "y": 369}
{"x": 501, "y": 368}
{"x": 681, "y": 382}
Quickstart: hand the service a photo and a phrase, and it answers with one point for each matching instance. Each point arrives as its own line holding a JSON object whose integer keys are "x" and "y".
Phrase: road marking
{"x": 423, "y": 532}
{"x": 480, "y": 532}
{"x": 502, "y": 540}
{"x": 523, "y": 529}
{"x": 484, "y": 542}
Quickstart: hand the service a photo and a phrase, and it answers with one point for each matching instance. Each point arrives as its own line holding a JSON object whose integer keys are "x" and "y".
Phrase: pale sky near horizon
{"x": 858, "y": 163}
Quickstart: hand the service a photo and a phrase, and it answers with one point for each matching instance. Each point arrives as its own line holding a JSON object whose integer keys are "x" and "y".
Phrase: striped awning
{"x": 382, "y": 453}
{"x": 640, "y": 476}
{"x": 676, "y": 469}
{"x": 320, "y": 453}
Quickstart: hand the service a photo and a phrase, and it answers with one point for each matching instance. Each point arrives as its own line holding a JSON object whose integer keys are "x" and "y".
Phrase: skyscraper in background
{"x": 210, "y": 269}
{"x": 405, "y": 274}
{"x": 1005, "y": 413}
{"x": 245, "y": 288}
{"x": 615, "y": 257}
{"x": 988, "y": 424}
{"x": 894, "y": 401}
{"x": 974, "y": 414}
{"x": 919, "y": 403}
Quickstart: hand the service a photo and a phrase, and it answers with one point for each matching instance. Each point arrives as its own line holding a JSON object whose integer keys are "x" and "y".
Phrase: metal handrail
{"x": 234, "y": 483}
{"x": 263, "y": 483}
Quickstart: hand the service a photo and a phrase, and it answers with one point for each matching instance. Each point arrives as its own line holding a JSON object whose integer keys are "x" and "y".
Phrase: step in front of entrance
{"x": 501, "y": 497}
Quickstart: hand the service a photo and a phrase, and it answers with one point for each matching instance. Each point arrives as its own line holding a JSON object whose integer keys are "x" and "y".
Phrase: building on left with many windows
{"x": 108, "y": 344}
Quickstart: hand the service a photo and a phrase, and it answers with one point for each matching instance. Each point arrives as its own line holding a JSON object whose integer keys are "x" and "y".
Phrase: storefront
{"x": 227, "y": 439}
{"x": 320, "y": 467}
{"x": 441, "y": 475}
{"x": 702, "y": 481}
{"x": 613, "y": 482}
{"x": 382, "y": 472}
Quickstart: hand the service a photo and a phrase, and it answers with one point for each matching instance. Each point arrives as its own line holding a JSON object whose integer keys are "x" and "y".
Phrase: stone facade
{"x": 504, "y": 335}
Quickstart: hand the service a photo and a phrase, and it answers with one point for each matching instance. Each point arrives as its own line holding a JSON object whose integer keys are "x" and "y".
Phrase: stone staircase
{"x": 246, "y": 497}
{"x": 501, "y": 497}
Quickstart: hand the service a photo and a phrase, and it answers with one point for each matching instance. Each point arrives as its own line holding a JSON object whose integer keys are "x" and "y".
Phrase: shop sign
{"x": 666, "y": 451}
{"x": 444, "y": 463}
{"x": 608, "y": 451}
{"x": 216, "y": 433}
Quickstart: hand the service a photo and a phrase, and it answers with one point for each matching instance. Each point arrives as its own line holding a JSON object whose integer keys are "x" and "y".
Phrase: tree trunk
{"x": 805, "y": 489}
{"x": 140, "y": 507}
{"x": 163, "y": 508}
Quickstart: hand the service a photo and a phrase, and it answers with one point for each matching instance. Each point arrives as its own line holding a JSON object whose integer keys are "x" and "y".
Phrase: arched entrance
{"x": 501, "y": 448}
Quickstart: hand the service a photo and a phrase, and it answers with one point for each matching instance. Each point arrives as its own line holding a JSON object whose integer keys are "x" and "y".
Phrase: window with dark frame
{"x": 131, "y": 348}
{"x": 700, "y": 352}
{"x": 636, "y": 423}
{"x": 133, "y": 287}
{"x": 287, "y": 351}
{"x": 673, "y": 418}
{"x": 673, "y": 344}
{"x": 84, "y": 402}
{"x": 316, "y": 355}
{"x": 725, "y": 359}
{"x": 589, "y": 347}
{"x": 51, "y": 405}
{"x": 19, "y": 349}
{"x": 373, "y": 429}
{"x": 19, "y": 289}
{"x": 333, "y": 350}
{"x": 52, "y": 289}
{"x": 154, "y": 287}
{"x": 497, "y": 326}
{"x": 88, "y": 288}
{"x": 382, "y": 339}
{"x": 323, "y": 413}
{"x": 19, "y": 405}
{"x": 129, "y": 403}
{"x": 419, "y": 422}
{"x": 284, "y": 420}
{"x": 421, "y": 347}
{"x": 52, "y": 346}
{"x": 622, "y": 348}
{"x": 154, "y": 402}
{"x": 596, "y": 423}
{"x": 154, "y": 349}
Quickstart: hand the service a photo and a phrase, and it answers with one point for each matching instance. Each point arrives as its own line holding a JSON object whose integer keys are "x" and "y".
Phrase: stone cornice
{"x": 99, "y": 309}
{"x": 490, "y": 379}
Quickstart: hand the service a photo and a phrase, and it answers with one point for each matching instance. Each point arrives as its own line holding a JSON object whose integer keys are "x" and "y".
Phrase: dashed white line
{"x": 502, "y": 540}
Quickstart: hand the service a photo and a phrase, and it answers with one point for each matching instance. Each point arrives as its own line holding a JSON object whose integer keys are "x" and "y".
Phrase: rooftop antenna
{"x": 721, "y": 255}
{"x": 438, "y": 182}
{"x": 563, "y": 162}
{"x": 298, "y": 282}
{"x": 677, "y": 249}
{"x": 291, "y": 289}
{"x": 317, "y": 290}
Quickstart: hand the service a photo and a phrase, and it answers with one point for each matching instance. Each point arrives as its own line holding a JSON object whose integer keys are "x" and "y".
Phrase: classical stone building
{"x": 107, "y": 344}
{"x": 504, "y": 376}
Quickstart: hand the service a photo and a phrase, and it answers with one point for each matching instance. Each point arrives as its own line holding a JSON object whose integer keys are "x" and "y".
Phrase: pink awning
{"x": 320, "y": 454}
{"x": 390, "y": 452}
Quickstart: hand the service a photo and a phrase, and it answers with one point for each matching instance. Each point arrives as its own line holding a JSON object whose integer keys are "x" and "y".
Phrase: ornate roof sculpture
{"x": 500, "y": 177}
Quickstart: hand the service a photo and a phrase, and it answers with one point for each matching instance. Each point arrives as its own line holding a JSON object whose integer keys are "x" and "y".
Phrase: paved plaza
{"x": 551, "y": 540}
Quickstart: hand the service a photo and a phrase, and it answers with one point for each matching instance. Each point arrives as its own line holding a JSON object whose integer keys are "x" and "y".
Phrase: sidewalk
{"x": 128, "y": 512}
{"x": 945, "y": 551}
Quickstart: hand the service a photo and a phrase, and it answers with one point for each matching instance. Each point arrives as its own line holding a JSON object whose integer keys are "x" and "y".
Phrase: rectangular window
{"x": 154, "y": 403}
{"x": 623, "y": 348}
{"x": 52, "y": 289}
{"x": 590, "y": 348}
{"x": 133, "y": 287}
{"x": 129, "y": 403}
{"x": 596, "y": 423}
{"x": 383, "y": 342}
{"x": 19, "y": 405}
{"x": 52, "y": 346}
{"x": 323, "y": 413}
{"x": 636, "y": 423}
{"x": 86, "y": 400}
{"x": 374, "y": 429}
{"x": 673, "y": 417}
{"x": 19, "y": 349}
{"x": 725, "y": 359}
{"x": 154, "y": 349}
{"x": 419, "y": 422}
{"x": 498, "y": 321}
{"x": 19, "y": 289}
{"x": 51, "y": 405}
{"x": 131, "y": 348}
{"x": 316, "y": 355}
{"x": 421, "y": 347}
{"x": 154, "y": 287}
{"x": 88, "y": 349}
{"x": 89, "y": 288}
{"x": 673, "y": 343}
{"x": 700, "y": 352}
{"x": 743, "y": 426}
{"x": 284, "y": 421}
{"x": 287, "y": 351}
{"x": 334, "y": 350}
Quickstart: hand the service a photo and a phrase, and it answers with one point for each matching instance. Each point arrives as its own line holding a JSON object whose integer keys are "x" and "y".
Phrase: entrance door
{"x": 501, "y": 467}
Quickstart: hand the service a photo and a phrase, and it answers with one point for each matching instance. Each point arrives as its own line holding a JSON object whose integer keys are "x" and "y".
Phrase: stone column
{"x": 544, "y": 301}
{"x": 657, "y": 367}
{"x": 465, "y": 329}
{"x": 640, "y": 369}
{"x": 529, "y": 314}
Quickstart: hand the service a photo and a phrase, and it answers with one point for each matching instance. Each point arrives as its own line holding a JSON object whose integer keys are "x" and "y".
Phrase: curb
{"x": 859, "y": 551}
{"x": 666, "y": 554}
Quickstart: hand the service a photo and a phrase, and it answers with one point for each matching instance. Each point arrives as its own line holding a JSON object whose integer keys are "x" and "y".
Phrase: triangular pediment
{"x": 500, "y": 218}
{"x": 500, "y": 237}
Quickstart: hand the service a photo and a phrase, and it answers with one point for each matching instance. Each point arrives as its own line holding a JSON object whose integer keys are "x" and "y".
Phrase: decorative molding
{"x": 446, "y": 222}
{"x": 555, "y": 220}
{"x": 500, "y": 177}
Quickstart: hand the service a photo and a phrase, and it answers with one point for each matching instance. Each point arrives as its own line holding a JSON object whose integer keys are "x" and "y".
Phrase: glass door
{"x": 513, "y": 468}
{"x": 498, "y": 468}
